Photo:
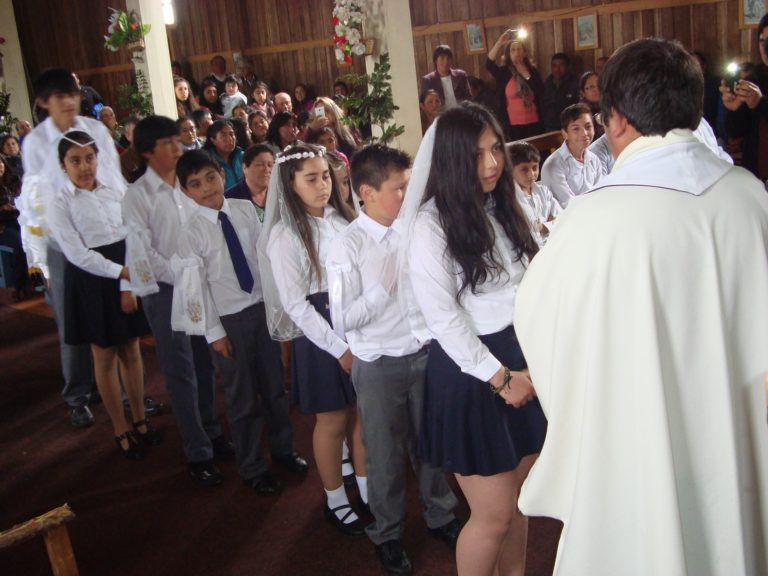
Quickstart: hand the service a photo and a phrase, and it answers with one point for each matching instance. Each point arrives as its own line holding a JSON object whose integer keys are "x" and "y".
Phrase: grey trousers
{"x": 189, "y": 377}
{"x": 390, "y": 398}
{"x": 76, "y": 361}
{"x": 254, "y": 390}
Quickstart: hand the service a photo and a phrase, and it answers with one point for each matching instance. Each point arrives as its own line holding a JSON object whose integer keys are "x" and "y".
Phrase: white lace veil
{"x": 278, "y": 218}
{"x": 404, "y": 224}
{"x": 277, "y": 215}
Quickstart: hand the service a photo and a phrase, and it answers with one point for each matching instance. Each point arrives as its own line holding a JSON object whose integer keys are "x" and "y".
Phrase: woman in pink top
{"x": 519, "y": 85}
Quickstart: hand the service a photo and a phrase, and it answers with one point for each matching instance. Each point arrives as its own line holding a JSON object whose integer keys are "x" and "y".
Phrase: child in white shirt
{"x": 389, "y": 362}
{"x": 99, "y": 307}
{"x": 222, "y": 237}
{"x": 304, "y": 213}
{"x": 232, "y": 96}
{"x": 536, "y": 199}
{"x": 573, "y": 169}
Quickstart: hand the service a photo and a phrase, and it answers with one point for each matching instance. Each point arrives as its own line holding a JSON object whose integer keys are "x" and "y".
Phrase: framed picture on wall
{"x": 474, "y": 34}
{"x": 750, "y": 12}
{"x": 585, "y": 32}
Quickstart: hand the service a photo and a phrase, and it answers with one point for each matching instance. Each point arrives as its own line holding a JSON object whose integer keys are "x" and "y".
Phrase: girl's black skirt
{"x": 319, "y": 383}
{"x": 469, "y": 430}
{"x": 92, "y": 313}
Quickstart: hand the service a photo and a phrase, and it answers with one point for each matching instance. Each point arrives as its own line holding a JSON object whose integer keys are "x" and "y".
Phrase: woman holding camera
{"x": 519, "y": 85}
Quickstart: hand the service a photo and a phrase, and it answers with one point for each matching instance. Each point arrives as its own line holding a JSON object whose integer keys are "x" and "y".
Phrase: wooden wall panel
{"x": 711, "y": 27}
{"x": 289, "y": 40}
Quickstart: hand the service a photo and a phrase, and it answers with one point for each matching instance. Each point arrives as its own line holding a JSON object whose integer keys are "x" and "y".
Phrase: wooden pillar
{"x": 156, "y": 61}
{"x": 13, "y": 79}
{"x": 389, "y": 22}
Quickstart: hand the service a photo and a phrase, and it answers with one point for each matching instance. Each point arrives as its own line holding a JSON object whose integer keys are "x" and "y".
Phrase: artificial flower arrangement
{"x": 347, "y": 29}
{"x": 124, "y": 28}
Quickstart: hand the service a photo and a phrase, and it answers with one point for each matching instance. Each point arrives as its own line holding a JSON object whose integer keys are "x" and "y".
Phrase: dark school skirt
{"x": 469, "y": 430}
{"x": 319, "y": 383}
{"x": 92, "y": 313}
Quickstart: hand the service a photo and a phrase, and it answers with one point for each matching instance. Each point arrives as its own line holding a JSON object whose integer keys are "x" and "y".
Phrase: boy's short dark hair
{"x": 573, "y": 113}
{"x": 198, "y": 115}
{"x": 54, "y": 80}
{"x": 655, "y": 84}
{"x": 151, "y": 129}
{"x": 192, "y": 162}
{"x": 231, "y": 79}
{"x": 561, "y": 56}
{"x": 442, "y": 50}
{"x": 373, "y": 164}
{"x": 522, "y": 153}
{"x": 257, "y": 149}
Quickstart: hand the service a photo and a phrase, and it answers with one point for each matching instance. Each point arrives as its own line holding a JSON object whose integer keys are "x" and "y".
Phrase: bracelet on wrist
{"x": 505, "y": 384}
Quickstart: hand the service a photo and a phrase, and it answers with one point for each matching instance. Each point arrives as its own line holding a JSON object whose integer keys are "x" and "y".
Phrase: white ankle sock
{"x": 338, "y": 498}
{"x": 362, "y": 486}
{"x": 346, "y": 467}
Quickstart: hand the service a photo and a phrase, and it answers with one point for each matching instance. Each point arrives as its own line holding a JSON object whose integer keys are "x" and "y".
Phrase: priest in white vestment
{"x": 644, "y": 321}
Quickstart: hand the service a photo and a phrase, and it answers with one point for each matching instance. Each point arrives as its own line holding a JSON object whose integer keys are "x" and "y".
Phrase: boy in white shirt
{"x": 232, "y": 96}
{"x": 222, "y": 237}
{"x": 573, "y": 169}
{"x": 536, "y": 199}
{"x": 155, "y": 206}
{"x": 57, "y": 93}
{"x": 389, "y": 363}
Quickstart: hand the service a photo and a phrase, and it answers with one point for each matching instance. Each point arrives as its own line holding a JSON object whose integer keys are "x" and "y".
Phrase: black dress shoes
{"x": 363, "y": 506}
{"x": 133, "y": 448}
{"x": 151, "y": 406}
{"x": 393, "y": 558}
{"x": 293, "y": 462}
{"x": 205, "y": 472}
{"x": 354, "y": 528}
{"x": 80, "y": 416}
{"x": 223, "y": 449}
{"x": 151, "y": 435}
{"x": 448, "y": 533}
{"x": 264, "y": 485}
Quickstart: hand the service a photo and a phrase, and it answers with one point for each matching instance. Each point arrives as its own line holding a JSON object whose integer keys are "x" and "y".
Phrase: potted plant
{"x": 125, "y": 28}
{"x": 376, "y": 104}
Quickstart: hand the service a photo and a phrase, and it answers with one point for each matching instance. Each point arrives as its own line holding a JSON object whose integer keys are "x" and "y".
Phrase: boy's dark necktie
{"x": 242, "y": 270}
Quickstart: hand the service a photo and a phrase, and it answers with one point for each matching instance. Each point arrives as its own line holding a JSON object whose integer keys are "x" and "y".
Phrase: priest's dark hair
{"x": 461, "y": 203}
{"x": 655, "y": 84}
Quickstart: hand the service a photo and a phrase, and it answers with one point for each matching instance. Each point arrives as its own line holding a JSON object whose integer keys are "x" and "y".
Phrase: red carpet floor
{"x": 149, "y": 518}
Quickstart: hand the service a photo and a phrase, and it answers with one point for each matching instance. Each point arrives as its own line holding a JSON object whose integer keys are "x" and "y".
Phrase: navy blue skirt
{"x": 319, "y": 383}
{"x": 469, "y": 430}
{"x": 92, "y": 312}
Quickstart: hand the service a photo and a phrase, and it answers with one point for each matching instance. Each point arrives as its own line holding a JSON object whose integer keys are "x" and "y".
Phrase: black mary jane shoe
{"x": 152, "y": 436}
{"x": 135, "y": 450}
{"x": 354, "y": 528}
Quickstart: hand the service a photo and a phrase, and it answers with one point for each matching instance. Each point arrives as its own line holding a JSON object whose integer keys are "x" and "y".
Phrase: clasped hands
{"x": 519, "y": 391}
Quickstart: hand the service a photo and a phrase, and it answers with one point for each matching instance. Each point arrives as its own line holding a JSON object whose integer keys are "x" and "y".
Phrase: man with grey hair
{"x": 283, "y": 103}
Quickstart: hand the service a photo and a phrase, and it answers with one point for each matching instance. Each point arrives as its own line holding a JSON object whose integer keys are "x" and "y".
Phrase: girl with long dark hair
{"x": 468, "y": 247}
{"x": 304, "y": 213}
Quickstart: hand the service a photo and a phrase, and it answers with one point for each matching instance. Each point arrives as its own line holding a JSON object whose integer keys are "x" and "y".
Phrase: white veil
{"x": 277, "y": 217}
{"x": 404, "y": 224}
{"x": 279, "y": 220}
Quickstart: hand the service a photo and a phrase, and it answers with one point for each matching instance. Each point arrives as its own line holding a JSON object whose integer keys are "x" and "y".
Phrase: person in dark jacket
{"x": 450, "y": 83}
{"x": 747, "y": 106}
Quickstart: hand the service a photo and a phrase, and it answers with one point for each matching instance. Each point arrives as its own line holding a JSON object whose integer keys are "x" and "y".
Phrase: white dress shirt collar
{"x": 157, "y": 184}
{"x": 213, "y": 215}
{"x": 375, "y": 230}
